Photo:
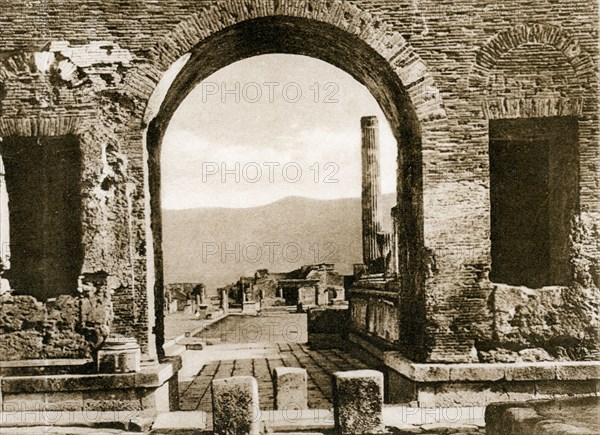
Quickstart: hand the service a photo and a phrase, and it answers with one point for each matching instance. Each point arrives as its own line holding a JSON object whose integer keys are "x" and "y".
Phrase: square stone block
{"x": 290, "y": 388}
{"x": 235, "y": 406}
{"x": 358, "y": 401}
{"x": 429, "y": 372}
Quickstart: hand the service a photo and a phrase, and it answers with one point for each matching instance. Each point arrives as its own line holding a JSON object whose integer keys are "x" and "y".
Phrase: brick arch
{"x": 538, "y": 40}
{"x": 411, "y": 70}
{"x": 334, "y": 31}
{"x": 534, "y": 33}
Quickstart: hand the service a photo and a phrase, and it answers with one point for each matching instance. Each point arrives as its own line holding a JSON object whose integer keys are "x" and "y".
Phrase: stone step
{"x": 193, "y": 343}
{"x": 298, "y": 433}
{"x": 298, "y": 421}
{"x": 137, "y": 421}
{"x": 174, "y": 350}
{"x": 180, "y": 422}
{"x": 46, "y": 367}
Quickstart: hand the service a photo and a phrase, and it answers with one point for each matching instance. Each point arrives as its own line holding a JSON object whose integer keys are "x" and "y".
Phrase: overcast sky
{"x": 280, "y": 125}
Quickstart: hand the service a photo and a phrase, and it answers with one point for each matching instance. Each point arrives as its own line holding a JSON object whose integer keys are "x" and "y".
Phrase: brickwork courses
{"x": 93, "y": 76}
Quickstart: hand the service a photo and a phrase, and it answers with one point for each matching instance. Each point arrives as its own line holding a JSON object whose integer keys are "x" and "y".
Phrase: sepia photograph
{"x": 335, "y": 217}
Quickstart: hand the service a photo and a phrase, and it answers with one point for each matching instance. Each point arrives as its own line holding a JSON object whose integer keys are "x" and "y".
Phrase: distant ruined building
{"x": 317, "y": 284}
{"x": 494, "y": 257}
{"x": 182, "y": 294}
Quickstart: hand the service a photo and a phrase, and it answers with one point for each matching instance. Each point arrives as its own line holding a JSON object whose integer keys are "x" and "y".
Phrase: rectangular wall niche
{"x": 44, "y": 202}
{"x": 534, "y": 173}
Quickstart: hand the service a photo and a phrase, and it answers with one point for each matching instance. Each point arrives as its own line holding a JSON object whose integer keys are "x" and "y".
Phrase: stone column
{"x": 371, "y": 188}
{"x": 225, "y": 301}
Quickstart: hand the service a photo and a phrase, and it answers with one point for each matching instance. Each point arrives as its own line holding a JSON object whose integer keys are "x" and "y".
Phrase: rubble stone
{"x": 358, "y": 401}
{"x": 235, "y": 406}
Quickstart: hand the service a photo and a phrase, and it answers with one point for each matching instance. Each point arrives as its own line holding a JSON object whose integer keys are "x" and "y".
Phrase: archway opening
{"x": 261, "y": 171}
{"x": 289, "y": 35}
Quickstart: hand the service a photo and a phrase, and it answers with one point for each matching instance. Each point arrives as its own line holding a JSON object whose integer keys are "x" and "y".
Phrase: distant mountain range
{"x": 218, "y": 245}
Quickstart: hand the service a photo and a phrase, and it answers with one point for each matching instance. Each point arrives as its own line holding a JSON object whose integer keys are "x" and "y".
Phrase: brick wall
{"x": 460, "y": 63}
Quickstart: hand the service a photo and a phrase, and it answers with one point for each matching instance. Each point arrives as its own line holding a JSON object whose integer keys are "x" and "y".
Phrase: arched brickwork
{"x": 390, "y": 45}
{"x": 514, "y": 55}
{"x": 534, "y": 33}
{"x": 545, "y": 72}
{"x": 334, "y": 31}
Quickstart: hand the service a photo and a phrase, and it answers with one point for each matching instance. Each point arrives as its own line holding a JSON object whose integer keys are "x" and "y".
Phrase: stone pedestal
{"x": 250, "y": 308}
{"x": 358, "y": 401}
{"x": 235, "y": 406}
{"x": 119, "y": 355}
{"x": 290, "y": 388}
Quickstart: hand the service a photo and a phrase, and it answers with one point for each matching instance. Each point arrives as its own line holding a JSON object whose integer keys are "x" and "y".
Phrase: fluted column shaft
{"x": 371, "y": 189}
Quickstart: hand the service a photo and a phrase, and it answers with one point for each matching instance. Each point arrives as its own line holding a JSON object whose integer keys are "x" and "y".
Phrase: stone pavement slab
{"x": 259, "y": 360}
{"x": 397, "y": 420}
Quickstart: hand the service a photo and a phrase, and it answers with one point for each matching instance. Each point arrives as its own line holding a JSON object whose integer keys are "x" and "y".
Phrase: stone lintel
{"x": 535, "y": 371}
{"x": 149, "y": 377}
{"x": 359, "y": 290}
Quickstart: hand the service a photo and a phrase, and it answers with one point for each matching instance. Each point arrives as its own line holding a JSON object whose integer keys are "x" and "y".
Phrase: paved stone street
{"x": 258, "y": 361}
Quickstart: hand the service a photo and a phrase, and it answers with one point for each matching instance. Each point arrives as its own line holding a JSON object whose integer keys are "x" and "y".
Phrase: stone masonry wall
{"x": 464, "y": 62}
{"x": 65, "y": 327}
{"x": 66, "y": 90}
